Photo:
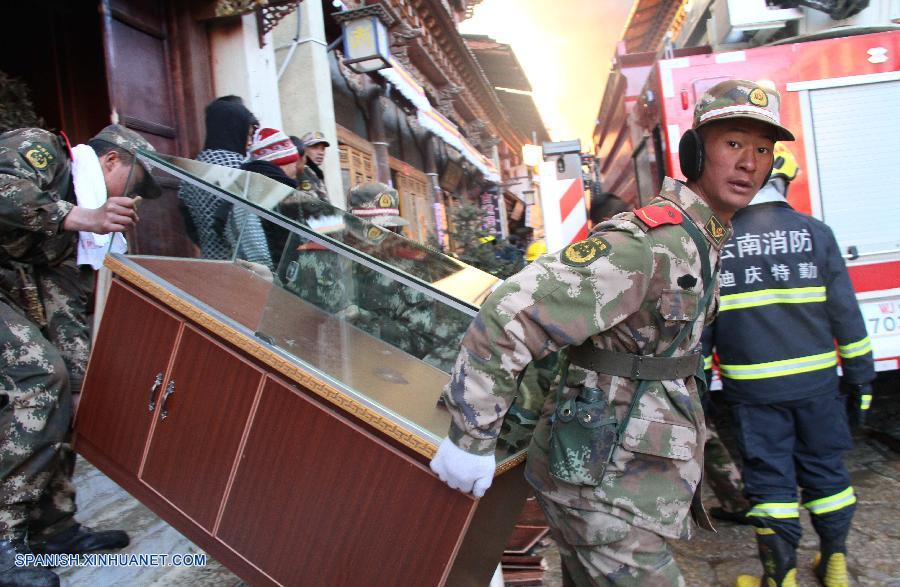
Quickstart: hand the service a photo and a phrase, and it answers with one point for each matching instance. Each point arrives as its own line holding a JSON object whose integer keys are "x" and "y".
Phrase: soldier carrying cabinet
{"x": 616, "y": 458}
{"x": 51, "y": 201}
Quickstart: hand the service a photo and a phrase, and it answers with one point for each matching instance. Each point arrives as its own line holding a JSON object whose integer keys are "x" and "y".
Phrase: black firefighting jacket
{"x": 787, "y": 310}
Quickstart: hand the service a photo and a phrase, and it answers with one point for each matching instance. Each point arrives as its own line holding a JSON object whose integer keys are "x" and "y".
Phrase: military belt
{"x": 634, "y": 366}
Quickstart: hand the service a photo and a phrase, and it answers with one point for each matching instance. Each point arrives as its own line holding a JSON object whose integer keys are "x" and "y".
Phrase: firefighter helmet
{"x": 535, "y": 250}
{"x": 785, "y": 163}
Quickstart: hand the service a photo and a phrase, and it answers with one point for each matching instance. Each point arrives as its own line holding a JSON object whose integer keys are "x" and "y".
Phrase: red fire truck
{"x": 840, "y": 97}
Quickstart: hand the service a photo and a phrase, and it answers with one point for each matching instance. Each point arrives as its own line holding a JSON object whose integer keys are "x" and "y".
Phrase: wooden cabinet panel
{"x": 192, "y": 449}
{"x": 318, "y": 500}
{"x": 134, "y": 344}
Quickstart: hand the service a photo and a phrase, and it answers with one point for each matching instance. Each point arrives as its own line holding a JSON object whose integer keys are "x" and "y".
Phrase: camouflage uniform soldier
{"x": 375, "y": 303}
{"x": 44, "y": 334}
{"x": 318, "y": 275}
{"x": 313, "y": 178}
{"x": 395, "y": 313}
{"x": 616, "y": 458}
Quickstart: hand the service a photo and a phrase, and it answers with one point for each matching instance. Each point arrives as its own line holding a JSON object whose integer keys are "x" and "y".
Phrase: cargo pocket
{"x": 678, "y": 305}
{"x": 660, "y": 439}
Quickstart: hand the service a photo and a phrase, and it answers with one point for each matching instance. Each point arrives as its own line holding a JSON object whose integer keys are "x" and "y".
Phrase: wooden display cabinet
{"x": 274, "y": 467}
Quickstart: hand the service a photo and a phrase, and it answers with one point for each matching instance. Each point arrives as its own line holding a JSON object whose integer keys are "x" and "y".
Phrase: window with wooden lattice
{"x": 414, "y": 205}
{"x": 357, "y": 166}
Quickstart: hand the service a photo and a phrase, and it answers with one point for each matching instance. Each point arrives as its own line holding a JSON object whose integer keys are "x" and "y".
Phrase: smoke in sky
{"x": 565, "y": 48}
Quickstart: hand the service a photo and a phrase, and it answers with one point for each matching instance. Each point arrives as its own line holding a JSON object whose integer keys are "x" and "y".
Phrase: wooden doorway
{"x": 157, "y": 66}
{"x": 57, "y": 51}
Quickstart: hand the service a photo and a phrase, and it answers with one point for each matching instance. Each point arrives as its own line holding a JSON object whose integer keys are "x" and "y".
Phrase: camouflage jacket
{"x": 629, "y": 294}
{"x": 36, "y": 195}
{"x": 311, "y": 183}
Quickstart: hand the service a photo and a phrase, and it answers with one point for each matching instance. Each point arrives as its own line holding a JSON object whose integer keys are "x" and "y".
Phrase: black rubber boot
{"x": 80, "y": 539}
{"x": 831, "y": 563}
{"x": 779, "y": 560}
{"x": 12, "y": 575}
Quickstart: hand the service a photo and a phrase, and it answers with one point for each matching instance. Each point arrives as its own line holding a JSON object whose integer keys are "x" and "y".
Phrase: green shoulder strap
{"x": 708, "y": 287}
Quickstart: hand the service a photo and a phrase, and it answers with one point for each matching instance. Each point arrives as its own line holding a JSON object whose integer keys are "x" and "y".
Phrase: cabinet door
{"x": 317, "y": 497}
{"x": 199, "y": 425}
{"x": 124, "y": 376}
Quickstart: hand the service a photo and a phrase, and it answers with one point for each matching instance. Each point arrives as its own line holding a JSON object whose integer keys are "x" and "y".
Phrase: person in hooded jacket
{"x": 229, "y": 132}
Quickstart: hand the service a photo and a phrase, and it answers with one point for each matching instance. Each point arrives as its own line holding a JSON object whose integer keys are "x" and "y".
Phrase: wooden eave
{"x": 648, "y": 23}
{"x": 419, "y": 57}
{"x": 443, "y": 58}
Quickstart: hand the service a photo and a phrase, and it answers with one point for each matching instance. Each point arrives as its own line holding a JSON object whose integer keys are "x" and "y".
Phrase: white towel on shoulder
{"x": 90, "y": 192}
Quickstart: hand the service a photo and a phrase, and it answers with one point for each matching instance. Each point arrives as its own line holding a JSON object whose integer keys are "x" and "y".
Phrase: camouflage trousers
{"x": 598, "y": 548}
{"x": 722, "y": 474}
{"x": 40, "y": 369}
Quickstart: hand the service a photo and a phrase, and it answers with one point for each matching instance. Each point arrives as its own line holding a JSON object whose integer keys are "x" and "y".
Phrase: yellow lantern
{"x": 366, "y": 42}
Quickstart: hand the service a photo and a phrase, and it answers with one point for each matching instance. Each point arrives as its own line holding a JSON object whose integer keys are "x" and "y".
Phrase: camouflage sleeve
{"x": 556, "y": 301}
{"x": 32, "y": 166}
{"x": 713, "y": 308}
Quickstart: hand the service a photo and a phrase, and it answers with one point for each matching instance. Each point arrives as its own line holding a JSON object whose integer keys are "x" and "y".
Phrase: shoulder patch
{"x": 654, "y": 216}
{"x": 715, "y": 230}
{"x": 39, "y": 156}
{"x": 583, "y": 253}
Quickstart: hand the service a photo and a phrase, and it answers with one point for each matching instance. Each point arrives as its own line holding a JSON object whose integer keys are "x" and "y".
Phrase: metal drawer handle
{"x": 170, "y": 389}
{"x": 157, "y": 383}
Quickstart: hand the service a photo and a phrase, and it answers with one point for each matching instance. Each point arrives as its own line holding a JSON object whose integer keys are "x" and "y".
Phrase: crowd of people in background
{"x": 234, "y": 139}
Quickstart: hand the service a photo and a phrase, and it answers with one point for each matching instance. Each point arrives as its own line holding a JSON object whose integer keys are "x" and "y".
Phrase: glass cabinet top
{"x": 334, "y": 228}
{"x": 367, "y": 311}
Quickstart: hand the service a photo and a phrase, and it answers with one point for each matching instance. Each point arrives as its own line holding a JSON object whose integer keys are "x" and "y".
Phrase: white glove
{"x": 462, "y": 470}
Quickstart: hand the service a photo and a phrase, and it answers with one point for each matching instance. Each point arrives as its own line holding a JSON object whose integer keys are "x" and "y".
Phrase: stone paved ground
{"x": 707, "y": 559}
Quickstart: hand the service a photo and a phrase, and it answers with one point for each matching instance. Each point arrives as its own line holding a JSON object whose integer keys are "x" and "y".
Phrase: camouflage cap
{"x": 131, "y": 141}
{"x": 314, "y": 138}
{"x": 377, "y": 203}
{"x": 741, "y": 99}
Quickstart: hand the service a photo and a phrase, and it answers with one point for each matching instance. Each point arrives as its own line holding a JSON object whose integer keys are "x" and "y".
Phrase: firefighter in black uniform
{"x": 786, "y": 298}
